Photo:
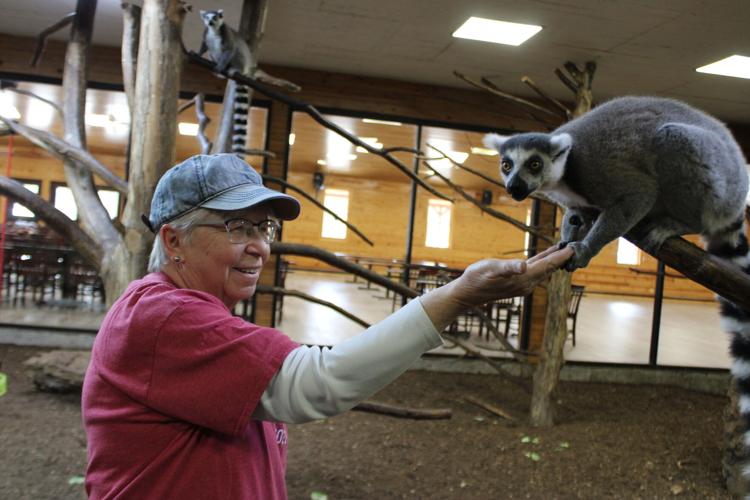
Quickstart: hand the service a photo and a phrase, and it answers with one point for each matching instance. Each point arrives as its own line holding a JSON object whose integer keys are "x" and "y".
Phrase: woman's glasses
{"x": 240, "y": 231}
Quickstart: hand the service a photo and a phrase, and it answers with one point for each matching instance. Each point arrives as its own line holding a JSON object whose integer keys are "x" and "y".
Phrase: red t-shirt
{"x": 167, "y": 399}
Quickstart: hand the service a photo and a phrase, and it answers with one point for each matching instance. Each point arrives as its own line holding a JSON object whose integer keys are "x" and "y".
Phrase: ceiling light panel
{"x": 490, "y": 30}
{"x": 736, "y": 66}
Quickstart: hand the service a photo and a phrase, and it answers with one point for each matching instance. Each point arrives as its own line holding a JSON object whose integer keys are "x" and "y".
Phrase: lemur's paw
{"x": 580, "y": 258}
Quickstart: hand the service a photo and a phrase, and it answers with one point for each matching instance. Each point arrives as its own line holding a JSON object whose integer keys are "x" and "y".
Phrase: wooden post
{"x": 279, "y": 125}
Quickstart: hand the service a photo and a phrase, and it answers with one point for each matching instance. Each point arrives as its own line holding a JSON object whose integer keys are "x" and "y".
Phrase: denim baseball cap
{"x": 220, "y": 182}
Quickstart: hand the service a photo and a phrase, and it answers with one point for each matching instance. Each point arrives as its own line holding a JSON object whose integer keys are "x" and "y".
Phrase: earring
{"x": 177, "y": 259}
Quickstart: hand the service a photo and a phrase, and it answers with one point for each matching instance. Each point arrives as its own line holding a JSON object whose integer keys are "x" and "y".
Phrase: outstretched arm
{"x": 316, "y": 383}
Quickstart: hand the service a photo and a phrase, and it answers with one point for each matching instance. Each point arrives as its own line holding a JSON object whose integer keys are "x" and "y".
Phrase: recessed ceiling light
{"x": 381, "y": 122}
{"x": 737, "y": 66}
{"x": 186, "y": 128}
{"x": 490, "y": 30}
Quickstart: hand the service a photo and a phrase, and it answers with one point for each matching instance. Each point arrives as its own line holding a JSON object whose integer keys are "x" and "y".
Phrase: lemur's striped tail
{"x": 732, "y": 244}
{"x": 239, "y": 120}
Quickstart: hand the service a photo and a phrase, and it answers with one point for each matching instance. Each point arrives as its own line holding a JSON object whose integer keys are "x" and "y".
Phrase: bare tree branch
{"x": 319, "y": 205}
{"x": 720, "y": 275}
{"x": 264, "y": 77}
{"x": 494, "y": 213}
{"x": 41, "y": 40}
{"x": 464, "y": 167}
{"x": 294, "y": 293}
{"x": 260, "y": 152}
{"x": 55, "y": 219}
{"x": 403, "y": 412}
{"x": 567, "y": 81}
{"x": 203, "y": 121}
{"x": 492, "y": 89}
{"x": 12, "y": 87}
{"x": 565, "y": 111}
{"x": 315, "y": 115}
{"x": 131, "y": 32}
{"x": 64, "y": 151}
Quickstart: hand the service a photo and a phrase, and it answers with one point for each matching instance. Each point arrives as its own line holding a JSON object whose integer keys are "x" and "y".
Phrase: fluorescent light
{"x": 322, "y": 163}
{"x": 381, "y": 122}
{"x": 483, "y": 151}
{"x": 292, "y": 138}
{"x": 7, "y": 109}
{"x": 737, "y": 66}
{"x": 187, "y": 128}
{"x": 490, "y": 30}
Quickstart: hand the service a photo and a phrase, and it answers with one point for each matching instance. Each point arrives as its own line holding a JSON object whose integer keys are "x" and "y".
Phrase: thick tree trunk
{"x": 555, "y": 334}
{"x": 252, "y": 23}
{"x": 92, "y": 214}
{"x": 152, "y": 138}
{"x": 547, "y": 374}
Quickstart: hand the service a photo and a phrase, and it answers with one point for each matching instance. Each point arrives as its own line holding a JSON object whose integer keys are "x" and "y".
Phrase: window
{"x": 627, "y": 253}
{"x": 19, "y": 211}
{"x": 337, "y": 201}
{"x": 438, "y": 224}
{"x": 64, "y": 201}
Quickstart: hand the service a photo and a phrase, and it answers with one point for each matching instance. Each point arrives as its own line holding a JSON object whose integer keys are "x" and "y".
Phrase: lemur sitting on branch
{"x": 655, "y": 166}
{"x": 228, "y": 49}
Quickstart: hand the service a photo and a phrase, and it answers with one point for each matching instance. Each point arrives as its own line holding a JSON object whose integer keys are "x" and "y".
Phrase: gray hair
{"x": 184, "y": 225}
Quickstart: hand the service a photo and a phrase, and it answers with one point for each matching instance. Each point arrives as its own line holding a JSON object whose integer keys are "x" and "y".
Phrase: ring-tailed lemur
{"x": 656, "y": 165}
{"x": 227, "y": 49}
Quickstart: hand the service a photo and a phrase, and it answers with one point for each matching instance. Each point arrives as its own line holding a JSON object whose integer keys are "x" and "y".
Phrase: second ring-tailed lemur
{"x": 654, "y": 165}
{"x": 227, "y": 49}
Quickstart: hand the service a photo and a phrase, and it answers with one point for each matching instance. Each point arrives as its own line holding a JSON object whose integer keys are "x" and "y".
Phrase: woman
{"x": 184, "y": 400}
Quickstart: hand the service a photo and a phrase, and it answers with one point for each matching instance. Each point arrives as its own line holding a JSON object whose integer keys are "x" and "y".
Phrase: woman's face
{"x": 229, "y": 271}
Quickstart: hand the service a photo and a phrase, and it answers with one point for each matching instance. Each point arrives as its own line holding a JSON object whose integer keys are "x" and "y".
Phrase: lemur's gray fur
{"x": 228, "y": 49}
{"x": 657, "y": 163}
{"x": 653, "y": 164}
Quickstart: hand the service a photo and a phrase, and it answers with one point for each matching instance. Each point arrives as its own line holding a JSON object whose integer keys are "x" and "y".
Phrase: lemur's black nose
{"x": 518, "y": 189}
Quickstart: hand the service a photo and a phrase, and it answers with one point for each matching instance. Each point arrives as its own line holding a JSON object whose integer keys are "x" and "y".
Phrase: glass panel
{"x": 322, "y": 163}
{"x": 690, "y": 329}
{"x": 615, "y": 314}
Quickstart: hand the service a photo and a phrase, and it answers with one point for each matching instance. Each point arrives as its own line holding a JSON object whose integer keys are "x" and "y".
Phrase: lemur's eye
{"x": 535, "y": 165}
{"x": 506, "y": 166}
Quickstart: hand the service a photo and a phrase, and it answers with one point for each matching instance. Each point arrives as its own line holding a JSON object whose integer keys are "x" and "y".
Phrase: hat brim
{"x": 250, "y": 195}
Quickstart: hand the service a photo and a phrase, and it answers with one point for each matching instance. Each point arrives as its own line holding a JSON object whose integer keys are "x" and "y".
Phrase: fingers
{"x": 549, "y": 262}
{"x": 541, "y": 255}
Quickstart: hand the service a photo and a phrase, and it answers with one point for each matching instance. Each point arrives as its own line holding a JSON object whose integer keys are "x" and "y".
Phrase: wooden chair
{"x": 575, "y": 302}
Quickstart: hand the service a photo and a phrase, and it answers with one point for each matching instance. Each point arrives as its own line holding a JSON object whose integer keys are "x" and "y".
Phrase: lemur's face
{"x": 530, "y": 162}
{"x": 212, "y": 18}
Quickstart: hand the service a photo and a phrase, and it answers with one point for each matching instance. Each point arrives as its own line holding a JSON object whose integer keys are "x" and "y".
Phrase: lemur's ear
{"x": 561, "y": 144}
{"x": 494, "y": 141}
{"x": 203, "y": 12}
{"x": 220, "y": 12}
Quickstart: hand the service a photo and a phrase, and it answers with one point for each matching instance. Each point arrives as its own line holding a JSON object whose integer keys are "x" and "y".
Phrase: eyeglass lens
{"x": 241, "y": 230}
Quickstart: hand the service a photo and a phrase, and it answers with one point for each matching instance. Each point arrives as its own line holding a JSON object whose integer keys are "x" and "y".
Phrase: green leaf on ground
{"x": 75, "y": 480}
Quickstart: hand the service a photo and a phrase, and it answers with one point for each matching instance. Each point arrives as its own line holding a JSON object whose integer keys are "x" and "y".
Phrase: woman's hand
{"x": 488, "y": 280}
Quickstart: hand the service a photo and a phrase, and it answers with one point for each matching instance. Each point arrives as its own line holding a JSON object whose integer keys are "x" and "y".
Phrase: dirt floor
{"x": 611, "y": 441}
